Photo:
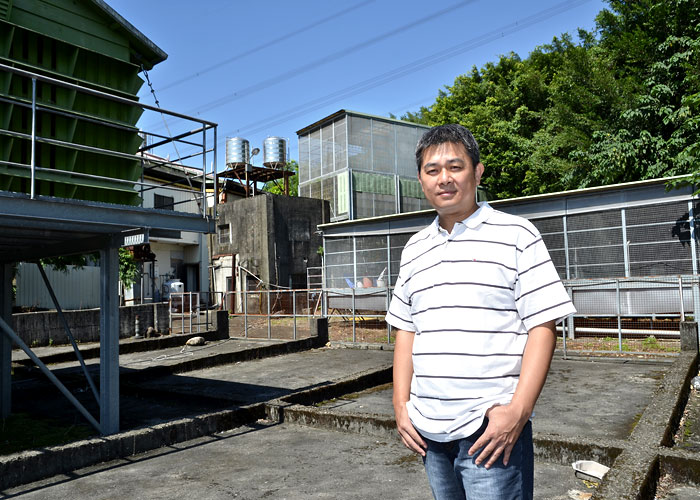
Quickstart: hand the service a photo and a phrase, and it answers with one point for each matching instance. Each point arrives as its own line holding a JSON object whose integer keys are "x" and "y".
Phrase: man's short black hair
{"x": 453, "y": 133}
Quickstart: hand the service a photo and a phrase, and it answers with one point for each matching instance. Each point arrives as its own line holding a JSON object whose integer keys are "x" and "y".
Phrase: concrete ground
{"x": 269, "y": 419}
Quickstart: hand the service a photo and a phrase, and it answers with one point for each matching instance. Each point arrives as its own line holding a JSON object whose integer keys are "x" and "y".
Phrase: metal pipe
{"x": 213, "y": 171}
{"x": 20, "y": 343}
{"x": 628, "y": 331}
{"x": 563, "y": 336}
{"x": 294, "y": 312}
{"x": 388, "y": 284}
{"x": 269, "y": 318}
{"x": 619, "y": 318}
{"x": 204, "y": 173}
{"x": 189, "y": 294}
{"x": 245, "y": 311}
{"x": 33, "y": 157}
{"x": 680, "y": 289}
{"x": 354, "y": 334}
{"x": 170, "y": 313}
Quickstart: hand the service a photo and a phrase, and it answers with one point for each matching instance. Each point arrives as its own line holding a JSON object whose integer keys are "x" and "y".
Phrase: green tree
{"x": 657, "y": 45}
{"x": 617, "y": 105}
{"x": 277, "y": 187}
{"x": 128, "y": 267}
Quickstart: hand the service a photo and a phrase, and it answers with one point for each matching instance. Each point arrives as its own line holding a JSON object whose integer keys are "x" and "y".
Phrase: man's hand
{"x": 506, "y": 423}
{"x": 410, "y": 437}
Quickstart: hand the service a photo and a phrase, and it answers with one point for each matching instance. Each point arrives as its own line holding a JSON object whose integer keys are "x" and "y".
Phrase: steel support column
{"x": 109, "y": 341}
{"x": 5, "y": 342}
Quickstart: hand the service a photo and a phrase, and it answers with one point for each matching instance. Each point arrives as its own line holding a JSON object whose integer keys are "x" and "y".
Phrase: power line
{"x": 407, "y": 69}
{"x": 251, "y": 89}
{"x": 402, "y": 109}
{"x": 284, "y": 37}
{"x": 403, "y": 70}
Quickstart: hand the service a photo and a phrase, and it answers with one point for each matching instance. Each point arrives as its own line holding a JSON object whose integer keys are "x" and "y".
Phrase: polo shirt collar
{"x": 482, "y": 214}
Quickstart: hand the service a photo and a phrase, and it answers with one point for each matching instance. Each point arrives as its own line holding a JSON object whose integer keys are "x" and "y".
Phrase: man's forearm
{"x": 535, "y": 365}
{"x": 403, "y": 373}
{"x": 403, "y": 367}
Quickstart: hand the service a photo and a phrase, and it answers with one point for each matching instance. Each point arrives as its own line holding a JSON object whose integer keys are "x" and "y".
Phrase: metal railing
{"x": 275, "y": 313}
{"x": 630, "y": 315}
{"x": 200, "y": 135}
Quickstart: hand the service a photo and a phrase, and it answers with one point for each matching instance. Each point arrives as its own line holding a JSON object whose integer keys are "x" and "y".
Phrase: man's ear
{"x": 478, "y": 172}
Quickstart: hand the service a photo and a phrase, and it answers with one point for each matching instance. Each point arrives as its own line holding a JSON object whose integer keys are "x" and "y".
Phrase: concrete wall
{"x": 248, "y": 222}
{"x": 274, "y": 236}
{"x": 43, "y": 328}
{"x": 295, "y": 239}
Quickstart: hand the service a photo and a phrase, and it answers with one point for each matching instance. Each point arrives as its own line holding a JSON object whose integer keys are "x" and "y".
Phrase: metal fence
{"x": 275, "y": 314}
{"x": 631, "y": 315}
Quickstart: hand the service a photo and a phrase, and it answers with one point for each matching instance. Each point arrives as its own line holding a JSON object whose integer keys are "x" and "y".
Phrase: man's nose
{"x": 444, "y": 177}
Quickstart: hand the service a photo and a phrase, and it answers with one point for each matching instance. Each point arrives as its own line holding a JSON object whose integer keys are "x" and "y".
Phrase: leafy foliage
{"x": 278, "y": 187}
{"x": 617, "y": 105}
{"x": 128, "y": 268}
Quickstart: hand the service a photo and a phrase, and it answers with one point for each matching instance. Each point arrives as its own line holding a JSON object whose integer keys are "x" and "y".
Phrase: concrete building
{"x": 268, "y": 240}
{"x": 184, "y": 256}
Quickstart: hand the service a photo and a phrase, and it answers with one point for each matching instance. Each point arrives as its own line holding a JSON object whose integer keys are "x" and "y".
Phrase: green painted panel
{"x": 5, "y": 8}
{"x": 366, "y": 182}
{"x": 6, "y": 33}
{"x": 58, "y": 59}
{"x": 77, "y": 23}
{"x": 77, "y": 41}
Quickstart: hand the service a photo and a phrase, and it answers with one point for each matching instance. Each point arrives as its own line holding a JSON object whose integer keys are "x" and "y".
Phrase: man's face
{"x": 449, "y": 181}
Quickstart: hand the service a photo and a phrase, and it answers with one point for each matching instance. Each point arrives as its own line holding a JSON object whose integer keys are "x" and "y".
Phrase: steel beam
{"x": 109, "y": 341}
{"x": 5, "y": 341}
{"x": 12, "y": 335}
{"x": 95, "y": 217}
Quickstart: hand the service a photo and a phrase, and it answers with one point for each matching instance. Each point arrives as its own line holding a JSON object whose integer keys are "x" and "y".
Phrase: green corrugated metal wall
{"x": 77, "y": 42}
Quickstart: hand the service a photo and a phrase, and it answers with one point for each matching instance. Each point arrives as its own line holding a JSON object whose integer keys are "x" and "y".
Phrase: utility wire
{"x": 404, "y": 107}
{"x": 401, "y": 71}
{"x": 170, "y": 135}
{"x": 299, "y": 70}
{"x": 281, "y": 38}
{"x": 407, "y": 69}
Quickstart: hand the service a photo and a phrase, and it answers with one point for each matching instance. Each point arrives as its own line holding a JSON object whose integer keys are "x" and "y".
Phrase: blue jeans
{"x": 453, "y": 474}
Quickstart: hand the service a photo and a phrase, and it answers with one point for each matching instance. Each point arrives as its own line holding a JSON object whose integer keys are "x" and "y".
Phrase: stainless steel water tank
{"x": 275, "y": 152}
{"x": 237, "y": 152}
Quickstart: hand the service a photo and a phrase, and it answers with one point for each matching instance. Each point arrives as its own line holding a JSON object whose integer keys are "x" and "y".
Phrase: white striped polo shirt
{"x": 471, "y": 296}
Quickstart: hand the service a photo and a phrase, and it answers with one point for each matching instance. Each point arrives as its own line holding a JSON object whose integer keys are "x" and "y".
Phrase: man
{"x": 475, "y": 305}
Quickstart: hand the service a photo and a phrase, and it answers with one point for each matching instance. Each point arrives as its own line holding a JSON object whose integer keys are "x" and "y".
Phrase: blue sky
{"x": 270, "y": 68}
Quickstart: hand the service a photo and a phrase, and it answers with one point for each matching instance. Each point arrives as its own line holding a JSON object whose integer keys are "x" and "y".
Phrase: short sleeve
{"x": 540, "y": 295}
{"x": 399, "y": 313}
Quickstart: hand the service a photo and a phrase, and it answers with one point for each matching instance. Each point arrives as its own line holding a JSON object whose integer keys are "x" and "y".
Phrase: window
{"x": 224, "y": 234}
{"x": 163, "y": 202}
